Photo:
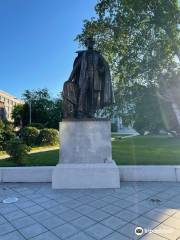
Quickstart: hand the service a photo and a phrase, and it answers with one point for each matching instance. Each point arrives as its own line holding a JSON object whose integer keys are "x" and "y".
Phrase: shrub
{"x": 48, "y": 136}
{"x": 36, "y": 125}
{"x": 17, "y": 150}
{"x": 6, "y": 133}
{"x": 1, "y": 136}
{"x": 30, "y": 135}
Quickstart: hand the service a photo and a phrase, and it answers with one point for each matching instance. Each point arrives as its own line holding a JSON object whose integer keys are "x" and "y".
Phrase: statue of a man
{"x": 89, "y": 86}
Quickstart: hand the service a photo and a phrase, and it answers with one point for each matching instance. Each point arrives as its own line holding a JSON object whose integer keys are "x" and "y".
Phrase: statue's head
{"x": 89, "y": 43}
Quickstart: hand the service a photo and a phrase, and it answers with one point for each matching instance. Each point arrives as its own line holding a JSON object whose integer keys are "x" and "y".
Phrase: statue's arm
{"x": 102, "y": 64}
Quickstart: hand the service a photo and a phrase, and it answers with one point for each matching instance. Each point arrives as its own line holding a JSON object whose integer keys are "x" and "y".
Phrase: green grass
{"x": 146, "y": 150}
{"x": 38, "y": 148}
{"x": 42, "y": 147}
{"x": 48, "y": 158}
{"x": 2, "y": 153}
{"x": 119, "y": 135}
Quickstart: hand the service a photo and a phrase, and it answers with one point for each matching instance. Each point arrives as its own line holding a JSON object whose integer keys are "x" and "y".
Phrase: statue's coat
{"x": 89, "y": 87}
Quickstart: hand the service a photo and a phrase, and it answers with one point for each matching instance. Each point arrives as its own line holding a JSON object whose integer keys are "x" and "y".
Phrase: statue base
{"x": 85, "y": 156}
{"x": 85, "y": 176}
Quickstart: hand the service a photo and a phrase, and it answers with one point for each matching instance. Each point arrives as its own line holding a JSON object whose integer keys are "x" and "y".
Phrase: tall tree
{"x": 140, "y": 40}
{"x": 168, "y": 93}
{"x": 44, "y": 109}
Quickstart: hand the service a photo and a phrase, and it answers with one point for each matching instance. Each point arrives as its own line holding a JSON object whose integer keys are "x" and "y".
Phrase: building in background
{"x": 2, "y": 110}
{"x": 7, "y": 104}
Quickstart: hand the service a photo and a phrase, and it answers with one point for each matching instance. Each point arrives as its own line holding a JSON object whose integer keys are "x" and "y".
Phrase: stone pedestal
{"x": 85, "y": 156}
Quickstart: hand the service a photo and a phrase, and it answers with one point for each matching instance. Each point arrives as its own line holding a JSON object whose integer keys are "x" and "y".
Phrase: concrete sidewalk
{"x": 109, "y": 214}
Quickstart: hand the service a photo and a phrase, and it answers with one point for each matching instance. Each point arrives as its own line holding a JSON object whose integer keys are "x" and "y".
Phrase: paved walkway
{"x": 45, "y": 214}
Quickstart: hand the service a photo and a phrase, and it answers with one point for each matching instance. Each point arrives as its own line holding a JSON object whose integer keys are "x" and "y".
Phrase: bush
{"x": 30, "y": 135}
{"x": 17, "y": 150}
{"x": 1, "y": 137}
{"x": 6, "y": 133}
{"x": 36, "y": 125}
{"x": 48, "y": 136}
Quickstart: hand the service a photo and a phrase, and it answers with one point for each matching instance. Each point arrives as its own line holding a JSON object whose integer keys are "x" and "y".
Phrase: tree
{"x": 44, "y": 109}
{"x": 139, "y": 39}
{"x": 6, "y": 133}
{"x": 148, "y": 112}
{"x": 168, "y": 93}
{"x": 56, "y": 113}
{"x": 41, "y": 104}
{"x": 20, "y": 115}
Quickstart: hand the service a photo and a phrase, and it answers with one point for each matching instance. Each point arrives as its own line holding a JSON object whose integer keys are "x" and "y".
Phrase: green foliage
{"x": 56, "y": 113}
{"x": 17, "y": 113}
{"x": 6, "y": 133}
{"x": 148, "y": 116}
{"x": 140, "y": 40}
{"x": 48, "y": 136}
{"x": 44, "y": 109}
{"x": 1, "y": 135}
{"x": 36, "y": 125}
{"x": 17, "y": 150}
{"x": 30, "y": 135}
{"x": 137, "y": 37}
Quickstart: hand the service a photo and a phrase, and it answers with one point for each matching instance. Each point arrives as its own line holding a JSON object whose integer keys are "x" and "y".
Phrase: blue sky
{"x": 37, "y": 45}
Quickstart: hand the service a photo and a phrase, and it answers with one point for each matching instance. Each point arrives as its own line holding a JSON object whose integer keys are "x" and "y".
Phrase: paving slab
{"x": 45, "y": 236}
{"x": 32, "y": 230}
{"x": 99, "y": 231}
{"x": 65, "y": 231}
{"x": 109, "y": 214}
{"x": 6, "y": 228}
{"x": 12, "y": 236}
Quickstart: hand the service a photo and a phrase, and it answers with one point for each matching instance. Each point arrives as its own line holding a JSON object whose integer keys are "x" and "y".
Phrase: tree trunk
{"x": 177, "y": 114}
{"x": 176, "y": 111}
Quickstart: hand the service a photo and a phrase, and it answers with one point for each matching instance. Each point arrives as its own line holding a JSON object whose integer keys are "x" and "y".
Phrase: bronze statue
{"x": 89, "y": 86}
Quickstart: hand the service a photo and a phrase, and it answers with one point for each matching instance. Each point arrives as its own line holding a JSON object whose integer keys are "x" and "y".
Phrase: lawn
{"x": 145, "y": 150}
{"x": 47, "y": 158}
{"x": 119, "y": 135}
{"x": 2, "y": 153}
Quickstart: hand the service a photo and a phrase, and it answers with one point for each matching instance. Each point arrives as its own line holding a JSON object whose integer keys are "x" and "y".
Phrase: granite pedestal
{"x": 85, "y": 156}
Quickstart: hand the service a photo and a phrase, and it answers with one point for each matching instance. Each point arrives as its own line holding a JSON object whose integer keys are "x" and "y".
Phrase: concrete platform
{"x": 150, "y": 173}
{"x": 85, "y": 156}
{"x": 80, "y": 176}
{"x": 26, "y": 174}
{"x": 131, "y": 173}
